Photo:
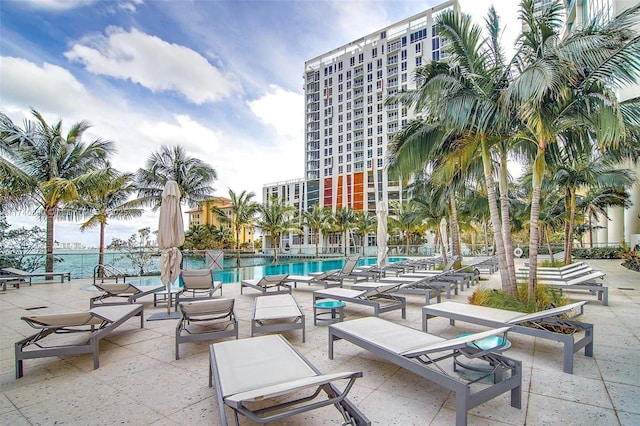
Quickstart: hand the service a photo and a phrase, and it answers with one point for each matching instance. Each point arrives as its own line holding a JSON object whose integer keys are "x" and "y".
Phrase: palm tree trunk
{"x": 237, "y": 246}
{"x": 50, "y": 211}
{"x": 317, "y": 237}
{"x": 455, "y": 232}
{"x": 101, "y": 251}
{"x": 568, "y": 254}
{"x": 590, "y": 231}
{"x": 276, "y": 247}
{"x": 506, "y": 221}
{"x": 507, "y": 285}
{"x": 538, "y": 173}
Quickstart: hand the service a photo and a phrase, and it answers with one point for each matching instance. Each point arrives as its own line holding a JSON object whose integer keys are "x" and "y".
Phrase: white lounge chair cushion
{"x": 276, "y": 307}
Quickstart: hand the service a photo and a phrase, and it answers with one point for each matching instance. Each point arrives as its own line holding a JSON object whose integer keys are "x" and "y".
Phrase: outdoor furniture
{"x": 121, "y": 294}
{"x": 347, "y": 272}
{"x": 582, "y": 282}
{"x": 206, "y": 320}
{"x": 269, "y": 284}
{"x": 97, "y": 323}
{"x": 162, "y": 296}
{"x": 328, "y": 311}
{"x": 420, "y": 286}
{"x": 423, "y": 354}
{"x": 425, "y": 282}
{"x": 197, "y": 284}
{"x": 276, "y": 313}
{"x": 11, "y": 280}
{"x": 539, "y": 324}
{"x": 320, "y": 279}
{"x": 379, "y": 298}
{"x": 270, "y": 370}
{"x": 30, "y": 275}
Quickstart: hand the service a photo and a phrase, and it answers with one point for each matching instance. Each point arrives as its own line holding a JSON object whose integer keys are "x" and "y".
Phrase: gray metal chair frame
{"x": 276, "y": 313}
{"x": 30, "y": 275}
{"x": 528, "y": 324}
{"x": 419, "y": 286}
{"x": 269, "y": 284}
{"x": 120, "y": 294}
{"x": 98, "y": 322}
{"x": 421, "y": 354}
{"x": 276, "y": 356}
{"x": 217, "y": 315}
{"x": 198, "y": 284}
{"x": 320, "y": 279}
{"x": 380, "y": 299}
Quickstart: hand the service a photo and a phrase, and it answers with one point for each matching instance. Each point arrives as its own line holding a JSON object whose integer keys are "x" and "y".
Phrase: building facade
{"x": 205, "y": 215}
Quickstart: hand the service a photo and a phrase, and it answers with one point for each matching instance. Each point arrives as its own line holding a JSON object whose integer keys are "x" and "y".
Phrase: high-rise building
{"x": 348, "y": 124}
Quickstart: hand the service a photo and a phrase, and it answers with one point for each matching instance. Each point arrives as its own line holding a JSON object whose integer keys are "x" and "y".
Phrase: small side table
{"x": 487, "y": 343}
{"x": 161, "y": 296}
{"x": 328, "y": 311}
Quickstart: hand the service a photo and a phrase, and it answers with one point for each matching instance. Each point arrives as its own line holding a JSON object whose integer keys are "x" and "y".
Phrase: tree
{"x": 106, "y": 197}
{"x": 318, "y": 220}
{"x": 194, "y": 177}
{"x": 570, "y": 83}
{"x": 137, "y": 249}
{"x": 364, "y": 224}
{"x": 20, "y": 248}
{"x": 275, "y": 218}
{"x": 405, "y": 218}
{"x": 243, "y": 214}
{"x": 343, "y": 221}
{"x": 46, "y": 168}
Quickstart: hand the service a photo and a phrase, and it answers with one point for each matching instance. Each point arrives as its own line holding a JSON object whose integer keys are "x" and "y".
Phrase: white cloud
{"x": 185, "y": 131}
{"x": 57, "y": 5}
{"x": 155, "y": 64}
{"x": 281, "y": 109}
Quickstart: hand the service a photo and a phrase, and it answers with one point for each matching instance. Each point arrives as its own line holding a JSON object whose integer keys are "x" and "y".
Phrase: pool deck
{"x": 139, "y": 381}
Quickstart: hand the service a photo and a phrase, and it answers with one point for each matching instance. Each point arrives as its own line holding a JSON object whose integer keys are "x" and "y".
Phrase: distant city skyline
{"x": 216, "y": 77}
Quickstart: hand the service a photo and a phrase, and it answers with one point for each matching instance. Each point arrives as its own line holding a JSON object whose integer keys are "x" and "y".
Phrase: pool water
{"x": 235, "y": 275}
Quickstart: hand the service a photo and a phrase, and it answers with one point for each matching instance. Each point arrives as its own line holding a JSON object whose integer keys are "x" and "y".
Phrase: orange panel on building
{"x": 358, "y": 191}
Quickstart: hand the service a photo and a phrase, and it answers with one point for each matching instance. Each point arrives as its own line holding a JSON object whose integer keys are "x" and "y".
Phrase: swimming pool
{"x": 235, "y": 275}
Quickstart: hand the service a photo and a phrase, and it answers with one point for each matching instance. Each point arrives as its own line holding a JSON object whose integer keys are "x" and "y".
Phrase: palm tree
{"x": 364, "y": 223}
{"x": 343, "y": 221}
{"x": 45, "y": 168}
{"x": 194, "y": 177}
{"x": 275, "y": 219}
{"x": 318, "y": 220}
{"x": 570, "y": 84}
{"x": 243, "y": 213}
{"x": 404, "y": 217}
{"x": 107, "y": 197}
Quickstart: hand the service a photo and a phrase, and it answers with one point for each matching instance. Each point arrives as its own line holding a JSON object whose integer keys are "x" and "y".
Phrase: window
{"x": 352, "y": 61}
{"x": 374, "y": 52}
{"x": 418, "y": 47}
{"x": 418, "y": 61}
{"x": 369, "y": 67}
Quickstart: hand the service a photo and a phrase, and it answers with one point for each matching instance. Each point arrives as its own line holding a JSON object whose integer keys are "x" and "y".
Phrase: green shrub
{"x": 545, "y": 298}
{"x": 597, "y": 252}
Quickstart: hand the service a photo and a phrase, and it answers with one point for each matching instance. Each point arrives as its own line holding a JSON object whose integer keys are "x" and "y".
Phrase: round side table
{"x": 328, "y": 311}
{"x": 487, "y": 343}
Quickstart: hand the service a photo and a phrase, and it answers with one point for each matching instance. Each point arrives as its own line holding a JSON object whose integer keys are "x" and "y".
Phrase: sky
{"x": 222, "y": 78}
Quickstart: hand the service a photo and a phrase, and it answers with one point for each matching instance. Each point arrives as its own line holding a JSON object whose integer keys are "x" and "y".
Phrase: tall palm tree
{"x": 194, "y": 176}
{"x": 318, "y": 220}
{"x": 275, "y": 218}
{"x": 595, "y": 202}
{"x": 364, "y": 223}
{"x": 404, "y": 217}
{"x": 343, "y": 221}
{"x": 48, "y": 168}
{"x": 570, "y": 83}
{"x": 243, "y": 214}
{"x": 107, "y": 197}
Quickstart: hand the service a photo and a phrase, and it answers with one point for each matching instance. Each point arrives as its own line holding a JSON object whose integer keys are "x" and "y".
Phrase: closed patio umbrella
{"x": 170, "y": 236}
{"x": 381, "y": 212}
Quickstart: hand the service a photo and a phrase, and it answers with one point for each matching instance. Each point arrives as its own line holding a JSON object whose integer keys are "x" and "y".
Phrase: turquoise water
{"x": 299, "y": 268}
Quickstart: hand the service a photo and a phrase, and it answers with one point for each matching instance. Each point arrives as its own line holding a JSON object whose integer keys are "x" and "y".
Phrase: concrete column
{"x": 632, "y": 215}
{"x": 615, "y": 233}
{"x": 600, "y": 238}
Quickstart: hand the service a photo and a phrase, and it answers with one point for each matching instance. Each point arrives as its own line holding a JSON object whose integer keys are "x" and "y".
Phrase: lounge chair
{"x": 317, "y": 279}
{"x": 276, "y": 313}
{"x": 268, "y": 368}
{"x": 198, "y": 284}
{"x": 538, "y": 324}
{"x": 434, "y": 282}
{"x": 381, "y": 299}
{"x": 582, "y": 282}
{"x": 269, "y": 284}
{"x": 11, "y": 280}
{"x": 30, "y": 275}
{"x": 206, "y": 320}
{"x": 420, "y": 286}
{"x": 121, "y": 294}
{"x": 348, "y": 272}
{"x": 97, "y": 323}
{"x": 423, "y": 353}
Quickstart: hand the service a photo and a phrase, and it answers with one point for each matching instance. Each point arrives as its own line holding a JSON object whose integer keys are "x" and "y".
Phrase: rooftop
{"x": 140, "y": 382}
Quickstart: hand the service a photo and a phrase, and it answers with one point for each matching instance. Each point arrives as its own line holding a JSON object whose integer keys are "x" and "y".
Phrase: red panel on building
{"x": 328, "y": 192}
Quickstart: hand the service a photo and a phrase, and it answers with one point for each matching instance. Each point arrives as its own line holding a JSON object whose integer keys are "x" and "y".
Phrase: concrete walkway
{"x": 139, "y": 381}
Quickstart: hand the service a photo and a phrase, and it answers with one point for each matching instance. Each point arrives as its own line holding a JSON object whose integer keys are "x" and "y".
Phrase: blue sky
{"x": 221, "y": 78}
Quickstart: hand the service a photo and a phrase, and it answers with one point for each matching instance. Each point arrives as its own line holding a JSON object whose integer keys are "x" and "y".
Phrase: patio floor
{"x": 139, "y": 381}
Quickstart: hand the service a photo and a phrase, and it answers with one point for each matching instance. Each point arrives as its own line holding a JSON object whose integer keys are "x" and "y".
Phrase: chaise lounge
{"x": 269, "y": 370}
{"x": 276, "y": 313}
{"x": 269, "y": 284}
{"x": 98, "y": 323}
{"x": 538, "y": 324}
{"x": 30, "y": 275}
{"x": 198, "y": 284}
{"x": 420, "y": 286}
{"x": 423, "y": 353}
{"x": 206, "y": 320}
{"x": 121, "y": 294}
{"x": 379, "y": 298}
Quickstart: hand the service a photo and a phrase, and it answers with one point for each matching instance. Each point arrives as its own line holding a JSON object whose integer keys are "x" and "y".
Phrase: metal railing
{"x": 107, "y": 271}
